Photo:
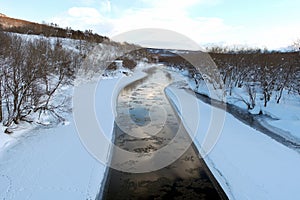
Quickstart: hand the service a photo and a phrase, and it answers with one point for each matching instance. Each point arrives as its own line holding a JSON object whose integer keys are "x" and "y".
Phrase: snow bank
{"x": 247, "y": 163}
{"x": 284, "y": 117}
{"x": 19, "y": 131}
{"x": 5, "y": 140}
{"x": 49, "y": 164}
{"x": 53, "y": 163}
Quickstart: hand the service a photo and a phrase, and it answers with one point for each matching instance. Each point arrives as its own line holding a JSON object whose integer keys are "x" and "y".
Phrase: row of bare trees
{"x": 268, "y": 74}
{"x": 31, "y": 71}
{"x": 247, "y": 75}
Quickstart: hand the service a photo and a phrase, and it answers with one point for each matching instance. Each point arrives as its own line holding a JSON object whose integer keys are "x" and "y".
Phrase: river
{"x": 139, "y": 105}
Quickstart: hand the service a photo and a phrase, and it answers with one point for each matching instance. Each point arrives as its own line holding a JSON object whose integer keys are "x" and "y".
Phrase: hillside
{"x": 25, "y": 27}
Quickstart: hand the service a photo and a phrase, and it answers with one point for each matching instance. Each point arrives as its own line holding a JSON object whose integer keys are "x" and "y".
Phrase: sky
{"x": 257, "y": 23}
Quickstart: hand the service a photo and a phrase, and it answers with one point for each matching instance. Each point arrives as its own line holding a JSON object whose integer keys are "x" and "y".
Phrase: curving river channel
{"x": 146, "y": 122}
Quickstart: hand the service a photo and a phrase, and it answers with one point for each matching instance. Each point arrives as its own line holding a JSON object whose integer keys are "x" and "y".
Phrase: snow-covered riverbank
{"x": 281, "y": 118}
{"x": 247, "y": 163}
{"x": 49, "y": 164}
{"x": 53, "y": 163}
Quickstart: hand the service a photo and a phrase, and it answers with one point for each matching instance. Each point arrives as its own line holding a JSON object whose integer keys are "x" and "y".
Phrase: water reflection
{"x": 143, "y": 109}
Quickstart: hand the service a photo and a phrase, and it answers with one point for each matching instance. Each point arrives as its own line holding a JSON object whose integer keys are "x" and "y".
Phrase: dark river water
{"x": 146, "y": 122}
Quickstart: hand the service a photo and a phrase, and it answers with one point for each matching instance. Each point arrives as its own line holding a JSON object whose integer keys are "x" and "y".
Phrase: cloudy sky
{"x": 261, "y": 23}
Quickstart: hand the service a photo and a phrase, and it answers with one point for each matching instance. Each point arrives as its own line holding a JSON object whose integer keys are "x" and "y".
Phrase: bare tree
{"x": 31, "y": 73}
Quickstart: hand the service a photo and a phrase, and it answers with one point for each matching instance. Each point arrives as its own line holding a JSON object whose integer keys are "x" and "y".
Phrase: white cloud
{"x": 198, "y": 29}
{"x": 273, "y": 37}
{"x": 83, "y": 18}
{"x": 173, "y": 15}
{"x": 158, "y": 15}
{"x": 105, "y": 6}
{"x": 84, "y": 12}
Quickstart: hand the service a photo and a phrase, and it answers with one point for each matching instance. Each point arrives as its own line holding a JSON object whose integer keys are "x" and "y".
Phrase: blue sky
{"x": 267, "y": 23}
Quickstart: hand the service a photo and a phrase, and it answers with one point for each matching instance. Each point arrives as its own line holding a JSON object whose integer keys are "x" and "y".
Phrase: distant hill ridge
{"x": 26, "y": 27}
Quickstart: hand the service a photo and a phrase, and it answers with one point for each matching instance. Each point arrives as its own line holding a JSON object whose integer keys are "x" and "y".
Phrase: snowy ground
{"x": 53, "y": 163}
{"x": 286, "y": 118}
{"x": 36, "y": 161}
{"x": 247, "y": 163}
{"x": 49, "y": 164}
{"x": 5, "y": 140}
{"x": 283, "y": 118}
